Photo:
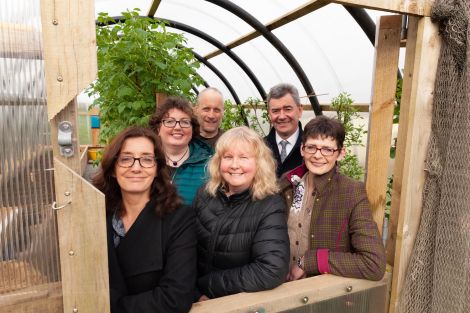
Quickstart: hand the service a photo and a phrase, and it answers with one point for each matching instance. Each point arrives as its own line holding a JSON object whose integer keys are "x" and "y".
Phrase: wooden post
{"x": 68, "y": 29}
{"x": 422, "y": 53}
{"x": 381, "y": 114}
{"x": 82, "y": 242}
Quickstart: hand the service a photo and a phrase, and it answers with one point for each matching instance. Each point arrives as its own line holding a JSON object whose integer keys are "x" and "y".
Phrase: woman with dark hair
{"x": 331, "y": 229}
{"x": 176, "y": 124}
{"x": 151, "y": 235}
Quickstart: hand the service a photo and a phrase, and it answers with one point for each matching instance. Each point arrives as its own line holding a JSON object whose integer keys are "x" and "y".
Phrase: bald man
{"x": 210, "y": 111}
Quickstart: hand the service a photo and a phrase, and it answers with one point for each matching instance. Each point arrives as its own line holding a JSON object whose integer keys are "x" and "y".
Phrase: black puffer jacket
{"x": 243, "y": 244}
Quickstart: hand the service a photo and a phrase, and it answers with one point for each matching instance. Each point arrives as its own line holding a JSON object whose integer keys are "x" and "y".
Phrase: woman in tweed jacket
{"x": 331, "y": 229}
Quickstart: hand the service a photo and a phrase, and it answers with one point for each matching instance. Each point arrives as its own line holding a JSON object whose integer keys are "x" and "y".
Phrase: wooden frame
{"x": 71, "y": 65}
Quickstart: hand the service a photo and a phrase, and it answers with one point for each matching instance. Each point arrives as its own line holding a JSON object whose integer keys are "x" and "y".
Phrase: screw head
{"x": 305, "y": 300}
{"x": 75, "y": 310}
{"x": 67, "y": 193}
{"x": 349, "y": 289}
{"x": 60, "y": 78}
{"x": 55, "y": 22}
{"x": 71, "y": 253}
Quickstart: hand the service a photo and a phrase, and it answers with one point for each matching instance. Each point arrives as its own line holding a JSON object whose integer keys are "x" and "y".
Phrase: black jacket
{"x": 153, "y": 269}
{"x": 243, "y": 244}
{"x": 294, "y": 158}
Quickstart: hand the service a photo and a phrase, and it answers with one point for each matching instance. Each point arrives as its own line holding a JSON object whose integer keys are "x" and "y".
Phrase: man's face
{"x": 284, "y": 114}
{"x": 210, "y": 111}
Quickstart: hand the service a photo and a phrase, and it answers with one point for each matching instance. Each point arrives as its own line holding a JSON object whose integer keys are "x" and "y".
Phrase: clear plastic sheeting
{"x": 28, "y": 234}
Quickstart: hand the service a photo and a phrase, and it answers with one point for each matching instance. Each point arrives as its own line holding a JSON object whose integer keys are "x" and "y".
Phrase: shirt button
{"x": 297, "y": 243}
{"x": 293, "y": 258}
{"x": 300, "y": 225}
{"x": 313, "y": 236}
{"x": 318, "y": 199}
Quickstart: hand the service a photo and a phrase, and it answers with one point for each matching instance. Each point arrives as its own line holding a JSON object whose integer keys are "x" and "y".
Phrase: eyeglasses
{"x": 325, "y": 151}
{"x": 128, "y": 161}
{"x": 171, "y": 123}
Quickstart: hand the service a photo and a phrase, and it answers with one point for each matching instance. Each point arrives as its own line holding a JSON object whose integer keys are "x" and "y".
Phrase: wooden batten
{"x": 82, "y": 242}
{"x": 423, "y": 48}
{"x": 387, "y": 51}
{"x": 69, "y": 40}
{"x": 410, "y": 7}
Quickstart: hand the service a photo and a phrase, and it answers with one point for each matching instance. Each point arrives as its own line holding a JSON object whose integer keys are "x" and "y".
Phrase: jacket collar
{"x": 198, "y": 151}
{"x": 321, "y": 181}
{"x": 237, "y": 197}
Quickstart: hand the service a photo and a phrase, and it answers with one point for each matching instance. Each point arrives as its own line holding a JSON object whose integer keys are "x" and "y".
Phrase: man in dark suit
{"x": 284, "y": 139}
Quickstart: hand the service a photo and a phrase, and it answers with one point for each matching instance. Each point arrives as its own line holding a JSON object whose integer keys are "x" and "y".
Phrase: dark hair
{"x": 280, "y": 90}
{"x": 323, "y": 126}
{"x": 173, "y": 103}
{"x": 162, "y": 191}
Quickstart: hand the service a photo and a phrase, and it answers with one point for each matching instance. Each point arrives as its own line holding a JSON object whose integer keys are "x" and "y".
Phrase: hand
{"x": 296, "y": 273}
{"x": 203, "y": 298}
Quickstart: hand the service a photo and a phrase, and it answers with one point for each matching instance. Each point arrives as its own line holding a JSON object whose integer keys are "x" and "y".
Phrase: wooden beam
{"x": 153, "y": 8}
{"x": 286, "y": 18}
{"x": 387, "y": 50}
{"x": 82, "y": 242}
{"x": 291, "y": 295}
{"x": 423, "y": 48}
{"x": 410, "y": 7}
{"x": 69, "y": 40}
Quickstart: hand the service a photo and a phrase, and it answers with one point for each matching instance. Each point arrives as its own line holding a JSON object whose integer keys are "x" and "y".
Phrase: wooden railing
{"x": 327, "y": 291}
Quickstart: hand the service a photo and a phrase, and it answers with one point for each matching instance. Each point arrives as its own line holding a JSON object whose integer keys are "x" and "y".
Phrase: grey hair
{"x": 280, "y": 90}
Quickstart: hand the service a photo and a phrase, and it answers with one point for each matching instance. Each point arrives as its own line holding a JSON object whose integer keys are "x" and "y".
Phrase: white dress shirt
{"x": 291, "y": 141}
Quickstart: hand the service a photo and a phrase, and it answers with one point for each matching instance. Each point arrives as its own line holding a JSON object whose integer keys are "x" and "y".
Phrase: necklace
{"x": 175, "y": 163}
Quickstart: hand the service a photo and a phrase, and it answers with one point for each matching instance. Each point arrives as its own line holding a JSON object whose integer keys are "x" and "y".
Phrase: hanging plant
{"x": 138, "y": 58}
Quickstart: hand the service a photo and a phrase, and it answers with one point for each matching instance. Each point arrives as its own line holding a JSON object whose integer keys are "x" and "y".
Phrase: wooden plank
{"x": 387, "y": 51}
{"x": 69, "y": 113}
{"x": 410, "y": 7}
{"x": 69, "y": 40}
{"x": 82, "y": 241}
{"x": 19, "y": 41}
{"x": 423, "y": 48}
{"x": 289, "y": 295}
{"x": 153, "y": 8}
{"x": 305, "y": 9}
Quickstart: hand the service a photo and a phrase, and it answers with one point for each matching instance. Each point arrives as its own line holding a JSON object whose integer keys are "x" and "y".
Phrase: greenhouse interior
{"x": 197, "y": 91}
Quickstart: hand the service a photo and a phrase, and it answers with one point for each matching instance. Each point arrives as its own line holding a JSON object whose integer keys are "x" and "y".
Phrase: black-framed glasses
{"x": 171, "y": 123}
{"x": 128, "y": 161}
{"x": 325, "y": 151}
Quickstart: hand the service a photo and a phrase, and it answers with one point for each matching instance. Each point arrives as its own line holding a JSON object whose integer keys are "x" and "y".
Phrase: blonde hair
{"x": 264, "y": 181}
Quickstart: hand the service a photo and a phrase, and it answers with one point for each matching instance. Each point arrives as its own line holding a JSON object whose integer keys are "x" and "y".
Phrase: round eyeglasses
{"x": 171, "y": 123}
{"x": 325, "y": 151}
{"x": 128, "y": 161}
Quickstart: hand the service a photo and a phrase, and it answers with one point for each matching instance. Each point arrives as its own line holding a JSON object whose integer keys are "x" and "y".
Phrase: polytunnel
{"x": 393, "y": 72}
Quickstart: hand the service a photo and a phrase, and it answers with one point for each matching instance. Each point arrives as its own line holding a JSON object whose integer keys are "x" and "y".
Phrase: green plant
{"x": 347, "y": 114}
{"x": 255, "y": 111}
{"x": 138, "y": 58}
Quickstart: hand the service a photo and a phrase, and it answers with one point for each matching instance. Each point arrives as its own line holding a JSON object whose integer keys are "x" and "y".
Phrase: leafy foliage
{"x": 256, "y": 111}
{"x": 347, "y": 114}
{"x": 138, "y": 58}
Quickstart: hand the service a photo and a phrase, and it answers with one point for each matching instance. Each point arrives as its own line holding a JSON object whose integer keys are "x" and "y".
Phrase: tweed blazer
{"x": 344, "y": 239}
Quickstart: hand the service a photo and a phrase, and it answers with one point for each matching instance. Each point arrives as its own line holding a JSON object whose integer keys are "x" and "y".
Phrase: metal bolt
{"x": 349, "y": 289}
{"x": 67, "y": 193}
{"x": 60, "y": 79}
{"x": 55, "y": 22}
{"x": 305, "y": 300}
{"x": 71, "y": 253}
{"x": 75, "y": 310}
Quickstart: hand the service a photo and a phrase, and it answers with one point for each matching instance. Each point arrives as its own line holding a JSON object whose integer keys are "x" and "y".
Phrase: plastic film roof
{"x": 330, "y": 46}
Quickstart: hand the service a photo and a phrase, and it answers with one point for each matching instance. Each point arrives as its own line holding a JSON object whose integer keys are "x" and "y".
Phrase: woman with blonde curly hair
{"x": 243, "y": 244}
